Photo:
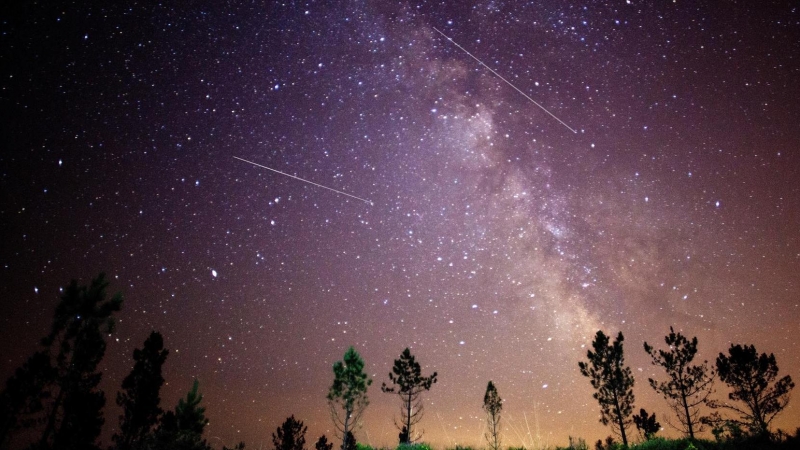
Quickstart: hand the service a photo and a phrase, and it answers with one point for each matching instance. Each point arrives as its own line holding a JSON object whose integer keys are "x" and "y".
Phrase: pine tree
{"x": 291, "y": 435}
{"x": 323, "y": 444}
{"x": 752, "y": 379}
{"x": 492, "y": 404}
{"x": 402, "y": 436}
{"x": 612, "y": 381}
{"x": 347, "y": 396}
{"x": 409, "y": 385}
{"x": 56, "y": 390}
{"x": 189, "y": 415}
{"x": 689, "y": 385}
{"x": 352, "y": 444}
{"x": 140, "y": 399}
{"x": 647, "y": 425}
{"x": 22, "y": 401}
{"x": 183, "y": 428}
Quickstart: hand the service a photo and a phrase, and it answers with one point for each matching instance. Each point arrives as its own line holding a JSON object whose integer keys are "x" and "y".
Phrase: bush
{"x": 675, "y": 444}
{"x": 575, "y": 444}
{"x": 417, "y": 446}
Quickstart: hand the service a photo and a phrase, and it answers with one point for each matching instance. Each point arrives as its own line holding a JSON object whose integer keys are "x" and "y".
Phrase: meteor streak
{"x": 507, "y": 82}
{"x": 305, "y": 181}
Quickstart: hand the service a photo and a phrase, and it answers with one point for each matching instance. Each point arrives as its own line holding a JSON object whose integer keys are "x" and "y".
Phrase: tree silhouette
{"x": 21, "y": 403}
{"x": 647, "y": 425}
{"x": 323, "y": 444}
{"x": 409, "y": 385}
{"x": 291, "y": 435}
{"x": 492, "y": 404}
{"x": 612, "y": 381}
{"x": 352, "y": 444}
{"x": 403, "y": 435}
{"x": 752, "y": 379}
{"x": 689, "y": 385}
{"x": 183, "y": 428}
{"x": 140, "y": 397}
{"x": 56, "y": 389}
{"x": 347, "y": 396}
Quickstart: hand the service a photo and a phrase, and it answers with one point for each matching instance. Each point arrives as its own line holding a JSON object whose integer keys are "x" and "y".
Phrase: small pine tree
{"x": 647, "y": 425}
{"x": 140, "y": 397}
{"x": 189, "y": 415}
{"x": 409, "y": 384}
{"x": 323, "y": 444}
{"x": 183, "y": 428}
{"x": 291, "y": 435}
{"x": 492, "y": 404}
{"x": 612, "y": 381}
{"x": 403, "y": 435}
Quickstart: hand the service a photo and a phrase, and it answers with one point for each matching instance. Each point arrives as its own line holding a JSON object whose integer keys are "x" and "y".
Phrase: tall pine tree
{"x": 612, "y": 381}
{"x": 140, "y": 397}
{"x": 492, "y": 404}
{"x": 689, "y": 384}
{"x": 347, "y": 396}
{"x": 56, "y": 391}
{"x": 409, "y": 384}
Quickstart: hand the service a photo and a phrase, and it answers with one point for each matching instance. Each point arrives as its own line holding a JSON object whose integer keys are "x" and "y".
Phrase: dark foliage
{"x": 609, "y": 444}
{"x": 323, "y": 444}
{"x": 182, "y": 429}
{"x": 409, "y": 383}
{"x": 352, "y": 444}
{"x": 647, "y": 425}
{"x": 753, "y": 380}
{"x": 403, "y": 435}
{"x": 612, "y": 381}
{"x": 347, "y": 396}
{"x": 23, "y": 398}
{"x": 689, "y": 384}
{"x": 291, "y": 435}
{"x": 492, "y": 405}
{"x": 140, "y": 397}
{"x": 56, "y": 389}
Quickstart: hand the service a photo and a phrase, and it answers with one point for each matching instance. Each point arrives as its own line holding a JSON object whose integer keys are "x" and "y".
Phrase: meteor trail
{"x": 305, "y": 181}
{"x": 507, "y": 82}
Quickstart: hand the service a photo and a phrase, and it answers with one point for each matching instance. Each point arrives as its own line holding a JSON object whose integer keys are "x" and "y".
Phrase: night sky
{"x": 497, "y": 241}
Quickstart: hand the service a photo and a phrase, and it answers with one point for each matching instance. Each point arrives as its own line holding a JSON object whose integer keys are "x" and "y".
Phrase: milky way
{"x": 496, "y": 241}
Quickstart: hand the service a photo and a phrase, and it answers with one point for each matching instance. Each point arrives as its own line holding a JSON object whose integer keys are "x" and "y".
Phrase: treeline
{"x": 756, "y": 394}
{"x": 53, "y": 400}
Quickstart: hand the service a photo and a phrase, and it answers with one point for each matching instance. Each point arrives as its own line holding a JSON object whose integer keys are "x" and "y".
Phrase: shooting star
{"x": 506, "y": 81}
{"x": 306, "y": 181}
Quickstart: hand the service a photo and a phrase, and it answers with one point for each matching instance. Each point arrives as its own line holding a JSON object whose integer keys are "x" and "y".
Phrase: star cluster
{"x": 496, "y": 241}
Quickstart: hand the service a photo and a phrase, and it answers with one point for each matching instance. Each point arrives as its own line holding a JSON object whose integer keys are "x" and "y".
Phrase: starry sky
{"x": 495, "y": 243}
